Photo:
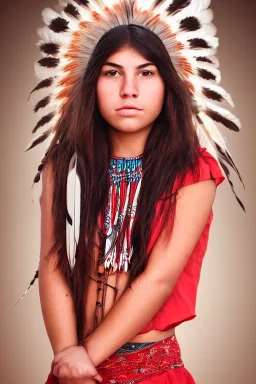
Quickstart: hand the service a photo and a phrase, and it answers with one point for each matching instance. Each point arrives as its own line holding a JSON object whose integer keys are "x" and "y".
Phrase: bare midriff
{"x": 111, "y": 297}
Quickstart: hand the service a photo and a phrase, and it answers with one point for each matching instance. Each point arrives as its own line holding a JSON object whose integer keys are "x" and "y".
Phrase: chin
{"x": 129, "y": 128}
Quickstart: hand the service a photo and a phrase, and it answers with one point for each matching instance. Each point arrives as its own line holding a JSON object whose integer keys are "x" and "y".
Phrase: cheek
{"x": 154, "y": 97}
{"x": 103, "y": 99}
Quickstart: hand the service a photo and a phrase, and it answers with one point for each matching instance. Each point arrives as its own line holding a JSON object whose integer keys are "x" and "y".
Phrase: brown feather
{"x": 206, "y": 74}
{"x": 177, "y": 6}
{"x": 43, "y": 84}
{"x": 42, "y": 103}
{"x": 198, "y": 43}
{"x": 49, "y": 62}
{"x": 72, "y": 10}
{"x": 223, "y": 120}
{"x": 204, "y": 59}
{"x": 190, "y": 24}
{"x": 39, "y": 140}
{"x": 50, "y": 48}
{"x": 44, "y": 120}
{"x": 231, "y": 184}
{"x": 210, "y": 94}
{"x": 59, "y": 25}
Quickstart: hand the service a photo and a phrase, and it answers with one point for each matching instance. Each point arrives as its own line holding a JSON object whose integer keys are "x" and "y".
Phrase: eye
{"x": 147, "y": 73}
{"x": 111, "y": 73}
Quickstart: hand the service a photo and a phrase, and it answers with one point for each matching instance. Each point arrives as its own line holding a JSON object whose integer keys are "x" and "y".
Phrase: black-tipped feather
{"x": 42, "y": 103}
{"x": 198, "y": 43}
{"x": 43, "y": 84}
{"x": 207, "y": 75}
{"x": 204, "y": 59}
{"x": 72, "y": 10}
{"x": 49, "y": 62}
{"x": 177, "y": 6}
{"x": 40, "y": 167}
{"x": 210, "y": 94}
{"x": 231, "y": 184}
{"x": 190, "y": 24}
{"x": 223, "y": 120}
{"x": 50, "y": 48}
{"x": 44, "y": 120}
{"x": 59, "y": 25}
{"x": 82, "y": 2}
{"x": 37, "y": 177}
{"x": 39, "y": 140}
{"x": 230, "y": 161}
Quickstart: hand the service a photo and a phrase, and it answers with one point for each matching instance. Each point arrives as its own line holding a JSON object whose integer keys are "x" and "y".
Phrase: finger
{"x": 98, "y": 378}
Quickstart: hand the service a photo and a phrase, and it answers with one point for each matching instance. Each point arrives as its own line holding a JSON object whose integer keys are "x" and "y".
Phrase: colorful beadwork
{"x": 125, "y": 183}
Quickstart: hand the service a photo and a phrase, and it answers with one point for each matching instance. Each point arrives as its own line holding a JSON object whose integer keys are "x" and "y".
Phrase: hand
{"x": 74, "y": 364}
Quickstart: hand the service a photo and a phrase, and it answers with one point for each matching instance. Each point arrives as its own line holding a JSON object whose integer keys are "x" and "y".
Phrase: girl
{"x": 124, "y": 235}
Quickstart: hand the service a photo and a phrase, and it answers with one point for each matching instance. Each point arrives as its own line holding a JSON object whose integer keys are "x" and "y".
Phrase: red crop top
{"x": 181, "y": 304}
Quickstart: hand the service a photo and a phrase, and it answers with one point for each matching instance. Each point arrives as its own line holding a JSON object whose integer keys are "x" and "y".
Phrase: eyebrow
{"x": 121, "y": 67}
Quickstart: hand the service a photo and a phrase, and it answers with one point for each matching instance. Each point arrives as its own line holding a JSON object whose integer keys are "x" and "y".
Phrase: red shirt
{"x": 181, "y": 304}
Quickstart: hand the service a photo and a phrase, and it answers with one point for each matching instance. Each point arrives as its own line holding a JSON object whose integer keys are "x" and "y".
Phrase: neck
{"x": 128, "y": 144}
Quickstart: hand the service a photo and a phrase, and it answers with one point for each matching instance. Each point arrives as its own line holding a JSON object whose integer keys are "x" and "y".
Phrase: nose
{"x": 129, "y": 88}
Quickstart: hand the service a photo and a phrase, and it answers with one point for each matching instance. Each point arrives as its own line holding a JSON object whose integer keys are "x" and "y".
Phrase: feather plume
{"x": 73, "y": 211}
{"x": 225, "y": 120}
{"x": 44, "y": 120}
{"x": 49, "y": 62}
{"x": 39, "y": 139}
{"x": 72, "y": 10}
{"x": 59, "y": 25}
{"x": 177, "y": 6}
{"x": 43, "y": 84}
{"x": 204, "y": 59}
{"x": 205, "y": 74}
{"x": 50, "y": 48}
{"x": 31, "y": 283}
{"x": 42, "y": 103}
{"x": 190, "y": 24}
{"x": 198, "y": 43}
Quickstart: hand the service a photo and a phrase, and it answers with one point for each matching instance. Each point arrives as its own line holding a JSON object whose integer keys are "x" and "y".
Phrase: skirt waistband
{"x": 133, "y": 347}
{"x": 131, "y": 367}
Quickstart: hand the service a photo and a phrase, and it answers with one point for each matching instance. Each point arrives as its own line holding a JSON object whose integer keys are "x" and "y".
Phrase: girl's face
{"x": 130, "y": 91}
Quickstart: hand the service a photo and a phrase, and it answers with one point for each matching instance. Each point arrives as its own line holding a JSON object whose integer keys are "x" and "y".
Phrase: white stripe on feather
{"x": 73, "y": 208}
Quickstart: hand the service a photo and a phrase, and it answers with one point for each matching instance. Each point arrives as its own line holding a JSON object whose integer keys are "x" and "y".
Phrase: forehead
{"x": 127, "y": 57}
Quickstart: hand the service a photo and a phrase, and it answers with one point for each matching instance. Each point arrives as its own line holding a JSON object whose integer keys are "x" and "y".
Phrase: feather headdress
{"x": 185, "y": 27}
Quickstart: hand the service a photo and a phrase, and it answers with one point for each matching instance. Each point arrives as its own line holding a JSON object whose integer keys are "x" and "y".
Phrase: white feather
{"x": 73, "y": 208}
{"x": 202, "y": 33}
{"x": 34, "y": 139}
{"x": 193, "y": 9}
{"x": 213, "y": 131}
{"x": 48, "y": 36}
{"x": 223, "y": 112}
{"x": 48, "y": 15}
{"x": 199, "y": 84}
{"x": 206, "y": 142}
{"x": 207, "y": 52}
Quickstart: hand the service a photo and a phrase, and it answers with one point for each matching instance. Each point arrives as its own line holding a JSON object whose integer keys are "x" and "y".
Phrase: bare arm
{"x": 136, "y": 307}
{"x": 55, "y": 295}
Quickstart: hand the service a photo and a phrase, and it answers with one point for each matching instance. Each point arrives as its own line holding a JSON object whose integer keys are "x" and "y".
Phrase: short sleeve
{"x": 209, "y": 168}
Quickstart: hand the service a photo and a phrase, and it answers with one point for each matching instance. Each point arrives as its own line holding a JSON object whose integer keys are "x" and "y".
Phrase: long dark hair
{"x": 170, "y": 149}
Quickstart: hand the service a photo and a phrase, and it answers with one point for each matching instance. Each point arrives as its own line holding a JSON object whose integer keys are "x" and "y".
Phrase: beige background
{"x": 218, "y": 347}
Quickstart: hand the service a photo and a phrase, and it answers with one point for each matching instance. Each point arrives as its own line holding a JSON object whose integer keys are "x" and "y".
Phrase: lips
{"x": 128, "y": 107}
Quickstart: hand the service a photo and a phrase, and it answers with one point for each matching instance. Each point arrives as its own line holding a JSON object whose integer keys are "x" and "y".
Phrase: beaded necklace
{"x": 116, "y": 225}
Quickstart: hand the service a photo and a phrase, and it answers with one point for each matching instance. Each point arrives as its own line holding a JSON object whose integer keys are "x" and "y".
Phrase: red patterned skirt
{"x": 157, "y": 363}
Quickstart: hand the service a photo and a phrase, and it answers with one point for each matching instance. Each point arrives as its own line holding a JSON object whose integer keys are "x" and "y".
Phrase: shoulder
{"x": 207, "y": 168}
